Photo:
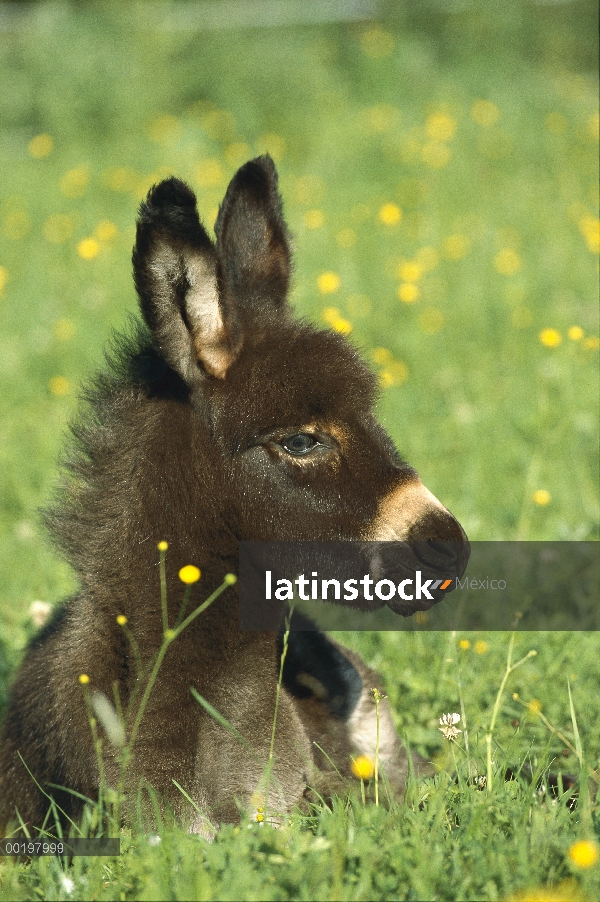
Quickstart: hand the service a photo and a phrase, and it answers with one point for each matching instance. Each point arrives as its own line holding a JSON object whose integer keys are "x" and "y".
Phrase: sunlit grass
{"x": 441, "y": 187}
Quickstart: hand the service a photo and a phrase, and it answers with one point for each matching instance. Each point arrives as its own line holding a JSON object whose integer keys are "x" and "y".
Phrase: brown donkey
{"x": 223, "y": 419}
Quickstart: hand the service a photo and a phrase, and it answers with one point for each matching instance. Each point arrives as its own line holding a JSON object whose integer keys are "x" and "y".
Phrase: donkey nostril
{"x": 440, "y": 556}
{"x": 438, "y": 542}
{"x": 442, "y": 548}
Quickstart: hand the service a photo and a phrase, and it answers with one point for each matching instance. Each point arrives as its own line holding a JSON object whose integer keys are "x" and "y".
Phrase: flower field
{"x": 438, "y": 164}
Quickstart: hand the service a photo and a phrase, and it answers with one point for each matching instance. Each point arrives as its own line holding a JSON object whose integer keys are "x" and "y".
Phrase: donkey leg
{"x": 332, "y": 689}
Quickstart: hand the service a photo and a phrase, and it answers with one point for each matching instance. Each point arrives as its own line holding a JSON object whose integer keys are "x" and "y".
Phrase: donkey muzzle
{"x": 420, "y": 545}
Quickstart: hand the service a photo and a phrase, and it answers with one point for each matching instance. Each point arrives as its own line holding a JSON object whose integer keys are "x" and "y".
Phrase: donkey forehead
{"x": 294, "y": 376}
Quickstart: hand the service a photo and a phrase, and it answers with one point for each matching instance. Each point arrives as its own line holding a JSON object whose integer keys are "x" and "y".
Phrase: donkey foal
{"x": 223, "y": 419}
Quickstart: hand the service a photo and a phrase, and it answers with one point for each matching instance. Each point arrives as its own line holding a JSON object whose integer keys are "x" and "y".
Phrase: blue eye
{"x": 299, "y": 444}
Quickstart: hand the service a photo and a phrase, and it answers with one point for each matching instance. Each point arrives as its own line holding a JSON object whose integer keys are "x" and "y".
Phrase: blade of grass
{"x": 216, "y": 715}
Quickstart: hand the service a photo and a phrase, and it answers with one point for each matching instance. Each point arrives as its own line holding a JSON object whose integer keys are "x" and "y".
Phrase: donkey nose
{"x": 439, "y": 542}
{"x": 410, "y": 513}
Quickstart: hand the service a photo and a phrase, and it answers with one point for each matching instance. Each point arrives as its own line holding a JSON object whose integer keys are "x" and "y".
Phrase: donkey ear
{"x": 174, "y": 269}
{"x": 252, "y": 239}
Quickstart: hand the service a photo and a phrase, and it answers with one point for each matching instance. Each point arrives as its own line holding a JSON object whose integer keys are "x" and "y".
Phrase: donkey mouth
{"x": 423, "y": 572}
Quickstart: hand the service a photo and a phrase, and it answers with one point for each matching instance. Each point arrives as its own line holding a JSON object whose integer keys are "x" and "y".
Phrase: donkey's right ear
{"x": 174, "y": 269}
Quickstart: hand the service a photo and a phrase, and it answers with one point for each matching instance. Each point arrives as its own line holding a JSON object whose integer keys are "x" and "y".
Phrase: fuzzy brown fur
{"x": 186, "y": 439}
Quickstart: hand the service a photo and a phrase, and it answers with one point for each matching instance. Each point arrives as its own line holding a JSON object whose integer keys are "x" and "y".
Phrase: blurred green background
{"x": 438, "y": 163}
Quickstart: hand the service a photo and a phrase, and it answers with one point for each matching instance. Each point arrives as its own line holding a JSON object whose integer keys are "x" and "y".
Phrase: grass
{"x": 451, "y": 152}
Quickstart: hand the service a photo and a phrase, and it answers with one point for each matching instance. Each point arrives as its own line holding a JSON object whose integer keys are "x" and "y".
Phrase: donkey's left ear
{"x": 175, "y": 273}
{"x": 252, "y": 239}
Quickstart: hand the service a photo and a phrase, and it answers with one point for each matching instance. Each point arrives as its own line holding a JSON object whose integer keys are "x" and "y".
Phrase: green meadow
{"x": 439, "y": 170}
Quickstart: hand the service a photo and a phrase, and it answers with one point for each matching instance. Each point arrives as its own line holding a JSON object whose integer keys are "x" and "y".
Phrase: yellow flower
{"x": 440, "y": 127}
{"x": 105, "y": 230}
{"x": 584, "y": 853}
{"x": 485, "y": 113}
{"x": 344, "y": 326}
{"x": 121, "y": 179}
{"x": 431, "y": 320}
{"x": 309, "y": 189}
{"x": 333, "y": 316}
{"x": 481, "y": 647}
{"x": 542, "y": 497}
{"x": 40, "y": 146}
{"x": 378, "y": 119}
{"x": 88, "y": 248}
{"x": 74, "y": 182}
{"x": 218, "y": 124}
{"x": 464, "y": 644}
{"x": 390, "y": 214}
{"x": 575, "y": 333}
{"x": 592, "y": 343}
{"x": 162, "y": 128}
{"x": 456, "y": 247}
{"x": 410, "y": 272}
{"x": 435, "y": 154}
{"x": 209, "y": 174}
{"x": 381, "y": 356}
{"x": 230, "y": 579}
{"x": 121, "y": 619}
{"x": 328, "y": 282}
{"x": 162, "y": 546}
{"x": 59, "y": 386}
{"x": 589, "y": 226}
{"x": 408, "y": 292}
{"x": 84, "y": 679}
{"x": 314, "y": 219}
{"x": 395, "y": 373}
{"x": 3, "y": 278}
{"x": 507, "y": 262}
{"x": 64, "y": 329}
{"x": 550, "y": 338}
{"x": 237, "y": 153}
{"x": 534, "y": 706}
{"x": 272, "y": 144}
{"x": 189, "y": 574}
{"x": 362, "y": 768}
{"x": 16, "y": 225}
{"x": 427, "y": 258}
{"x": 377, "y": 43}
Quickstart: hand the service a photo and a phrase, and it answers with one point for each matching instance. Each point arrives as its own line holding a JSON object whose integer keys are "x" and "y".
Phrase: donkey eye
{"x": 301, "y": 443}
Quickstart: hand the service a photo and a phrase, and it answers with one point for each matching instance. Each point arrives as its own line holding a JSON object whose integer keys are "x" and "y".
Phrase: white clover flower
{"x": 154, "y": 839}
{"x": 39, "y": 611}
{"x": 447, "y": 726}
{"x": 67, "y": 884}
